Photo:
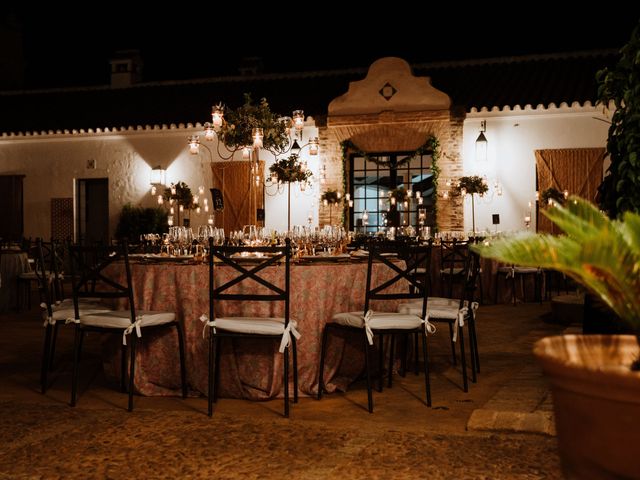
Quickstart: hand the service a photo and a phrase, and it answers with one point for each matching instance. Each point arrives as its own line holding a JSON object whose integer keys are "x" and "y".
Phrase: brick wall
{"x": 447, "y": 130}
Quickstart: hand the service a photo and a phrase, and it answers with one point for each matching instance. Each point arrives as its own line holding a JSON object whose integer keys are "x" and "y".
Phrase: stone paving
{"x": 165, "y": 437}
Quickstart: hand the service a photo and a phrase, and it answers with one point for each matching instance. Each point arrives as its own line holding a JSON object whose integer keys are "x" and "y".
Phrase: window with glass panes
{"x": 371, "y": 180}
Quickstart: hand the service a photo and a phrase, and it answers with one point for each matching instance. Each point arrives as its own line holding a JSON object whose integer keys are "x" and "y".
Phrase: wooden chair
{"x": 271, "y": 329}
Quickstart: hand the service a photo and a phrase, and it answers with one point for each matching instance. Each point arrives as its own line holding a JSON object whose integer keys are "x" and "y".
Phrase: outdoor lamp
{"x": 481, "y": 143}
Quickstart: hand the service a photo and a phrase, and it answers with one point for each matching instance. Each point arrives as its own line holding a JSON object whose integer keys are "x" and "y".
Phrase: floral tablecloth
{"x": 249, "y": 368}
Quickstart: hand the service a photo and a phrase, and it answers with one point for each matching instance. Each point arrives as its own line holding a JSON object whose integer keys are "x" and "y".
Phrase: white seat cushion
{"x": 437, "y": 308}
{"x": 521, "y": 270}
{"x": 64, "y": 310}
{"x": 122, "y": 318}
{"x": 378, "y": 321}
{"x": 251, "y": 325}
{"x": 455, "y": 271}
{"x": 256, "y": 326}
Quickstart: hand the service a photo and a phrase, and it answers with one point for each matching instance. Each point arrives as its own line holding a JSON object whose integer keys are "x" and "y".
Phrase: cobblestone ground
{"x": 61, "y": 442}
{"x": 42, "y": 437}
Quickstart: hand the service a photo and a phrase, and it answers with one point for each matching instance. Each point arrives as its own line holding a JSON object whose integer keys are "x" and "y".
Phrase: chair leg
{"x": 183, "y": 370}
{"x": 427, "y": 381}
{"x": 53, "y": 346}
{"x": 132, "y": 368}
{"x": 513, "y": 289}
{"x": 480, "y": 287}
{"x": 472, "y": 352}
{"x": 366, "y": 363}
{"x": 391, "y": 355}
{"x": 285, "y": 383}
{"x": 45, "y": 358}
{"x": 77, "y": 345}
{"x": 473, "y": 333}
{"x": 123, "y": 368}
{"x": 216, "y": 375}
{"x": 381, "y": 363}
{"x": 323, "y": 349}
{"x": 294, "y": 351}
{"x": 211, "y": 370}
{"x": 416, "y": 355}
{"x": 463, "y": 358}
{"x": 403, "y": 353}
{"x": 453, "y": 345}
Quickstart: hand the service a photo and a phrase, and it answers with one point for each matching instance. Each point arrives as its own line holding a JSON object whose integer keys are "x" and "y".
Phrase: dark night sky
{"x": 61, "y": 50}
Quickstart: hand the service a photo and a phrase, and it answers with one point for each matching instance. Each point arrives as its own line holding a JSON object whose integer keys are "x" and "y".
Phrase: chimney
{"x": 126, "y": 68}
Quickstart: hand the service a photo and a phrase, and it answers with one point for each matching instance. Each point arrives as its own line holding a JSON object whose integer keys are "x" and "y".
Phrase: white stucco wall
{"x": 52, "y": 163}
{"x": 512, "y": 137}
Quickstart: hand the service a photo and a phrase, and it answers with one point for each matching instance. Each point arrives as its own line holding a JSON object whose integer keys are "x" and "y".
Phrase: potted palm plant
{"x": 595, "y": 379}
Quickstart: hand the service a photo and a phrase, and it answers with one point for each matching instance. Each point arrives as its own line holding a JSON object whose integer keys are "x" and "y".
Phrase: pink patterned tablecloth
{"x": 249, "y": 368}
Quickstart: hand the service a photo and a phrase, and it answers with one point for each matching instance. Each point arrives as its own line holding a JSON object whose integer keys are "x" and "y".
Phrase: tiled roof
{"x": 532, "y": 80}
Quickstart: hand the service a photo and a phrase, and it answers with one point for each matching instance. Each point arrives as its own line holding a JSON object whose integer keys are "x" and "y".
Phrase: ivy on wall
{"x": 430, "y": 147}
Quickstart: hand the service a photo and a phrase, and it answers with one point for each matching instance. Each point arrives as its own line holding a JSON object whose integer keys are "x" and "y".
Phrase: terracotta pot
{"x": 596, "y": 401}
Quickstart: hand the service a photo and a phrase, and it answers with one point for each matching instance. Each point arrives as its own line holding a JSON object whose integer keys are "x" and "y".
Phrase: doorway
{"x": 11, "y": 213}
{"x": 92, "y": 207}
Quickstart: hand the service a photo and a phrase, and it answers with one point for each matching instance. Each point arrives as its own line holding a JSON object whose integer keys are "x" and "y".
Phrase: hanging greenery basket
{"x": 471, "y": 184}
{"x": 290, "y": 170}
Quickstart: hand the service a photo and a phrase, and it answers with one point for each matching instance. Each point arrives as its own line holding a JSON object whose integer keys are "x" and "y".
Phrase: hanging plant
{"x": 400, "y": 194}
{"x": 182, "y": 195}
{"x": 552, "y": 194}
{"x": 290, "y": 170}
{"x": 330, "y": 196}
{"x": 236, "y": 131}
{"x": 471, "y": 184}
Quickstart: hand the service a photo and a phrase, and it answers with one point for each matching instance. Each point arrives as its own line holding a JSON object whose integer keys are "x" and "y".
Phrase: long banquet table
{"x": 248, "y": 369}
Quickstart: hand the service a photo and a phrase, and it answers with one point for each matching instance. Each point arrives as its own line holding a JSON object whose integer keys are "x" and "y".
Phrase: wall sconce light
{"x": 158, "y": 178}
{"x": 481, "y": 143}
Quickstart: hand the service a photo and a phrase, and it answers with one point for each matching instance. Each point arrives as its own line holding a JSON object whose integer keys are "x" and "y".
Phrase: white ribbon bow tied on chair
{"x": 289, "y": 330}
{"x": 204, "y": 318}
{"x": 367, "y": 328}
{"x": 462, "y": 313}
{"x": 130, "y": 328}
{"x": 429, "y": 328}
{"x": 48, "y": 319}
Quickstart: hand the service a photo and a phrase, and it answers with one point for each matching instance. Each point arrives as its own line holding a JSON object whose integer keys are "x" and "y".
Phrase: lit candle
{"x": 210, "y": 220}
{"x": 171, "y": 211}
{"x": 365, "y": 217}
{"x": 350, "y": 203}
{"x": 201, "y": 190}
{"x": 406, "y": 204}
{"x": 530, "y": 205}
{"x": 153, "y": 189}
{"x": 566, "y": 194}
{"x": 181, "y": 208}
{"x": 420, "y": 201}
{"x": 198, "y": 210}
{"x": 393, "y": 200}
{"x": 347, "y": 196}
{"x": 160, "y": 200}
{"x": 170, "y": 220}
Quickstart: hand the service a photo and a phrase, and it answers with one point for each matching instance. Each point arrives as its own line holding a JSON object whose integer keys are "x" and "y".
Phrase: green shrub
{"x": 135, "y": 221}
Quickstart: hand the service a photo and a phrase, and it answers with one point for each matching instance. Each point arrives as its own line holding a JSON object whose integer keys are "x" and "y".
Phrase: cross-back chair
{"x": 242, "y": 288}
{"x": 403, "y": 284}
{"x": 95, "y": 279}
